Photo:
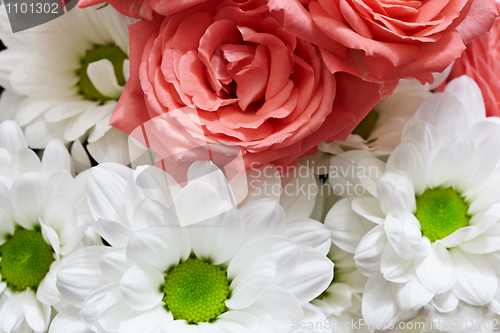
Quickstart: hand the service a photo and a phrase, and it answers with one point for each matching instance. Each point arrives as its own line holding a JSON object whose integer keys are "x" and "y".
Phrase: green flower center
{"x": 196, "y": 291}
{"x": 110, "y": 52}
{"x": 26, "y": 259}
{"x": 366, "y": 126}
{"x": 441, "y": 211}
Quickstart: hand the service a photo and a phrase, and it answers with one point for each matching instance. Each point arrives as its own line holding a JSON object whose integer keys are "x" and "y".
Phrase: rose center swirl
{"x": 86, "y": 86}
{"x": 441, "y": 211}
{"x": 196, "y": 291}
{"x": 25, "y": 259}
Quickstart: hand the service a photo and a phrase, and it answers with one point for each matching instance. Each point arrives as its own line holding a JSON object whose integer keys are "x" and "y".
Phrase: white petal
{"x": 60, "y": 215}
{"x": 147, "y": 321}
{"x": 76, "y": 127}
{"x": 218, "y": 238}
{"x": 445, "y": 302}
{"x": 140, "y": 287}
{"x": 469, "y": 94}
{"x": 113, "y": 263}
{"x": 249, "y": 285}
{"x": 451, "y": 162}
{"x": 283, "y": 251}
{"x": 299, "y": 197}
{"x": 79, "y": 275}
{"x": 394, "y": 268}
{"x": 102, "y": 75}
{"x": 395, "y": 234}
{"x": 39, "y": 132}
{"x": 11, "y": 313}
{"x": 395, "y": 191}
{"x": 12, "y": 137}
{"x": 309, "y": 233}
{"x": 313, "y": 274}
{"x": 412, "y": 158}
{"x": 47, "y": 290}
{"x": 280, "y": 304}
{"x": 197, "y": 191}
{"x": 115, "y": 233}
{"x": 29, "y": 196}
{"x": 81, "y": 159}
{"x": 487, "y": 242}
{"x": 457, "y": 237}
{"x": 25, "y": 160}
{"x": 347, "y": 228}
{"x": 106, "y": 186}
{"x": 436, "y": 270}
{"x": 445, "y": 112}
{"x": 68, "y": 320}
{"x": 411, "y": 227}
{"x": 378, "y": 304}
{"x": 162, "y": 248}
{"x": 99, "y": 299}
{"x": 111, "y": 147}
{"x": 51, "y": 237}
{"x": 369, "y": 208}
{"x": 477, "y": 282}
{"x": 152, "y": 213}
{"x": 37, "y": 314}
{"x": 55, "y": 157}
{"x": 235, "y": 321}
{"x": 411, "y": 295}
{"x": 369, "y": 251}
{"x": 6, "y": 226}
{"x": 424, "y": 133}
{"x": 262, "y": 217}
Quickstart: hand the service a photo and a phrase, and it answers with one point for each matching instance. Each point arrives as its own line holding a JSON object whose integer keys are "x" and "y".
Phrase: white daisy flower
{"x": 39, "y": 226}
{"x": 68, "y": 75}
{"x": 186, "y": 260}
{"x": 427, "y": 231}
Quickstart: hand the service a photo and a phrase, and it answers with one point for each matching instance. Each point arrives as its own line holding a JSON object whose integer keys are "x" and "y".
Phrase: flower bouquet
{"x": 249, "y": 166}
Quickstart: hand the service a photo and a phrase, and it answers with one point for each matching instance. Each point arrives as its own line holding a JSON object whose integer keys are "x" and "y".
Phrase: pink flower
{"x": 383, "y": 40}
{"x": 481, "y": 62}
{"x": 144, "y": 8}
{"x": 251, "y": 83}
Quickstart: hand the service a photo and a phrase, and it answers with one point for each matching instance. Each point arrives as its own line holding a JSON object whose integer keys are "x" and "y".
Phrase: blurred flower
{"x": 67, "y": 75}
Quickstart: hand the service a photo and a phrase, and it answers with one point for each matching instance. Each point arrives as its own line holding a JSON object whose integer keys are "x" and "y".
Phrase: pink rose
{"x": 481, "y": 62}
{"x": 251, "y": 83}
{"x": 382, "y": 40}
{"x": 144, "y": 8}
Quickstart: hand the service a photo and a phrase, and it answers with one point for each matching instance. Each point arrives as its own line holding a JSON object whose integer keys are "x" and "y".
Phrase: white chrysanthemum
{"x": 63, "y": 80}
{"x": 429, "y": 231}
{"x": 185, "y": 260}
{"x": 39, "y": 226}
